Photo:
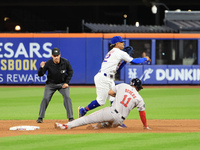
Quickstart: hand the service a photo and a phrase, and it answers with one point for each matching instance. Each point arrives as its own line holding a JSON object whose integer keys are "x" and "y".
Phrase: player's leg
{"x": 102, "y": 84}
{"x": 111, "y": 98}
{"x": 48, "y": 93}
{"x": 67, "y": 102}
{"x": 92, "y": 105}
{"x": 103, "y": 115}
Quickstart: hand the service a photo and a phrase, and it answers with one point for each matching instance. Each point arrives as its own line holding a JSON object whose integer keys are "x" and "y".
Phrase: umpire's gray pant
{"x": 50, "y": 89}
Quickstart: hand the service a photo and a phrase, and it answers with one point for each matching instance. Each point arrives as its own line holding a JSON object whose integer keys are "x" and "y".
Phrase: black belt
{"x": 118, "y": 112}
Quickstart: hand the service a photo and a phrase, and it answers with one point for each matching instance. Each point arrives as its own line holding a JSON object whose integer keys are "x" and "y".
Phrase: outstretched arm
{"x": 144, "y": 120}
{"x": 140, "y": 60}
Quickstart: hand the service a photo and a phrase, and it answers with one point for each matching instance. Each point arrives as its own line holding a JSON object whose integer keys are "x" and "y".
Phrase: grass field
{"x": 22, "y": 103}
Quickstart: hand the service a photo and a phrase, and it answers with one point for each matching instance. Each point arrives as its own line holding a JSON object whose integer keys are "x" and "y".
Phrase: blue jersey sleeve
{"x": 138, "y": 60}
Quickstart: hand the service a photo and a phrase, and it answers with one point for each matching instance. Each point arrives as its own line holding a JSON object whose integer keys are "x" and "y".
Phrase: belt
{"x": 108, "y": 75}
{"x": 121, "y": 116}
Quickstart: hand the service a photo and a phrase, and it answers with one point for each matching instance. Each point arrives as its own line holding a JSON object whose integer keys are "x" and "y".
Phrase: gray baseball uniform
{"x": 126, "y": 99}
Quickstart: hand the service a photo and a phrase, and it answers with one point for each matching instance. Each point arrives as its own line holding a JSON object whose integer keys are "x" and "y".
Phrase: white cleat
{"x": 61, "y": 126}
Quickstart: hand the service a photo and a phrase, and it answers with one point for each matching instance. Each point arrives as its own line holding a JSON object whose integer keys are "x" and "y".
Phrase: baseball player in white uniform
{"x": 104, "y": 79}
{"x": 126, "y": 99}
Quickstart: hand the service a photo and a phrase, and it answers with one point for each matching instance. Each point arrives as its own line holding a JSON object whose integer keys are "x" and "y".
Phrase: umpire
{"x": 59, "y": 74}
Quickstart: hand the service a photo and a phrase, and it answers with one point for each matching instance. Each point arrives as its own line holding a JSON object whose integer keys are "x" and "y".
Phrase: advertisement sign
{"x": 20, "y": 59}
{"x": 163, "y": 74}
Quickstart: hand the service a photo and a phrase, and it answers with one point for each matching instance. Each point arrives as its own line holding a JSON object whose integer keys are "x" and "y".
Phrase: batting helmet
{"x": 137, "y": 83}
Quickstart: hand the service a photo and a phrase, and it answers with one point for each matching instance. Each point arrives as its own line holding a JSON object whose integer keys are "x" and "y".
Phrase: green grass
{"x": 111, "y": 141}
{"x": 172, "y": 103}
{"x": 161, "y": 103}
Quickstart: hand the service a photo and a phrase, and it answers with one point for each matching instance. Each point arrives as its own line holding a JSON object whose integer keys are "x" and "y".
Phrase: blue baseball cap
{"x": 116, "y": 39}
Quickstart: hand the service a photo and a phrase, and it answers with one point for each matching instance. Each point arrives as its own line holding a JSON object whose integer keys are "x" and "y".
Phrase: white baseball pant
{"x": 103, "y": 85}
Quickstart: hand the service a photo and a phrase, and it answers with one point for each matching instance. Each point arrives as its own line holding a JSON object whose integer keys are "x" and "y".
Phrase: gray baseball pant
{"x": 50, "y": 89}
{"x": 106, "y": 114}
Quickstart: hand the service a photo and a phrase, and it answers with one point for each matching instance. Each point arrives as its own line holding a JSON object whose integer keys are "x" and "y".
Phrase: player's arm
{"x": 140, "y": 60}
{"x": 128, "y": 58}
{"x": 134, "y": 61}
{"x": 43, "y": 68}
{"x": 143, "y": 119}
{"x": 112, "y": 93}
{"x": 121, "y": 66}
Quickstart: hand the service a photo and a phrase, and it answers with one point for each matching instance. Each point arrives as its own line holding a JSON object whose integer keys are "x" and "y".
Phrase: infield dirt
{"x": 134, "y": 126}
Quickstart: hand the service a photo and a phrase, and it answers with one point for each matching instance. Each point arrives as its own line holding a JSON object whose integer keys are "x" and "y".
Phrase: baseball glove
{"x": 129, "y": 50}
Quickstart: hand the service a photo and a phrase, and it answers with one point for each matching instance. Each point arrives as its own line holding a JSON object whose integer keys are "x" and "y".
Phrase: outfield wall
{"x": 164, "y": 74}
{"x": 21, "y": 54}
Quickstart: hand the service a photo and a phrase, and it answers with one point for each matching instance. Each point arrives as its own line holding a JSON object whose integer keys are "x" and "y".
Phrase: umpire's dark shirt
{"x": 57, "y": 73}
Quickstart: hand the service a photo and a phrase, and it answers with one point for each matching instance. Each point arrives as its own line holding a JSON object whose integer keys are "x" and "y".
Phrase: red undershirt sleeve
{"x": 143, "y": 118}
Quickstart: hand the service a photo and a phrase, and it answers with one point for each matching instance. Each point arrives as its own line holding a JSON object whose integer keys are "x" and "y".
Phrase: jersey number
{"x": 107, "y": 56}
{"x": 123, "y": 101}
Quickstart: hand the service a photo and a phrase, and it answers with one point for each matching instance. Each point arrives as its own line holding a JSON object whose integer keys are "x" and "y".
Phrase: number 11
{"x": 122, "y": 102}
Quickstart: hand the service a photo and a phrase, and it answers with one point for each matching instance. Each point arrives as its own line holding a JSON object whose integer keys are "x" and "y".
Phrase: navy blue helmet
{"x": 137, "y": 83}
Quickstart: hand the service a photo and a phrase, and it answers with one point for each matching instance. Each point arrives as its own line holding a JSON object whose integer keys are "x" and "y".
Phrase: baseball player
{"x": 104, "y": 79}
{"x": 126, "y": 99}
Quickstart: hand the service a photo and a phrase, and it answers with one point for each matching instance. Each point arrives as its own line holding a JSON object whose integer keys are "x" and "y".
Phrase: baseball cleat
{"x": 71, "y": 119}
{"x": 81, "y": 111}
{"x": 122, "y": 126}
{"x": 57, "y": 125}
{"x": 61, "y": 126}
{"x": 39, "y": 120}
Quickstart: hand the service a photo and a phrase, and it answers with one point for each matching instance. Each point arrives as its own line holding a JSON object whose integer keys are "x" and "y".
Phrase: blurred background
{"x": 166, "y": 30}
{"x": 68, "y": 15}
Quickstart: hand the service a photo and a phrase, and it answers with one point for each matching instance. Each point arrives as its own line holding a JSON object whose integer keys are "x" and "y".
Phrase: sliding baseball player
{"x": 126, "y": 99}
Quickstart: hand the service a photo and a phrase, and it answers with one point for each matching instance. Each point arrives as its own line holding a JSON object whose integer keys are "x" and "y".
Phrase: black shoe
{"x": 71, "y": 119}
{"x": 40, "y": 120}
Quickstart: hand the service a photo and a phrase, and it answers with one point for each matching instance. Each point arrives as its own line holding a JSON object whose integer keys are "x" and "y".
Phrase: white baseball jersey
{"x": 109, "y": 66}
{"x": 126, "y": 99}
{"x": 112, "y": 60}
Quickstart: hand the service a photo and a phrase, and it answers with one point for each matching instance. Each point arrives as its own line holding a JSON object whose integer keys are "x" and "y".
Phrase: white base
{"x": 24, "y": 128}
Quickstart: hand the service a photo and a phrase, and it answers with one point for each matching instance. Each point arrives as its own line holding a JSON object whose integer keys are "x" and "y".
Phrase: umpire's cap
{"x": 137, "y": 83}
{"x": 55, "y": 51}
{"x": 116, "y": 39}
